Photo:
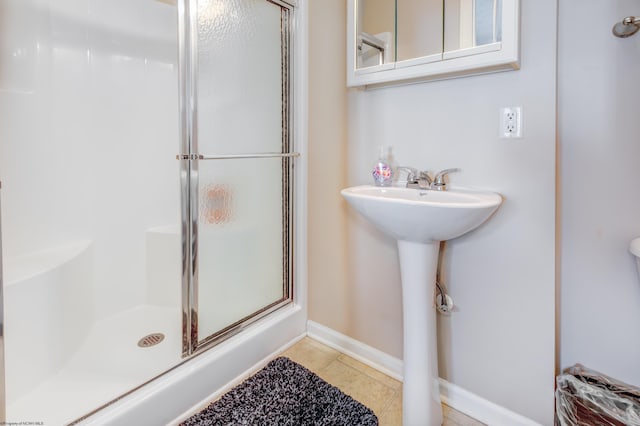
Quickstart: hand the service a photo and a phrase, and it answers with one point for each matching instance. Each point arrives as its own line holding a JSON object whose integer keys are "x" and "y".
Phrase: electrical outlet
{"x": 511, "y": 122}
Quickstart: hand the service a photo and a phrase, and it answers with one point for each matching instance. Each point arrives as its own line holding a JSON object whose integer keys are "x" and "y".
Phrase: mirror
{"x": 376, "y": 29}
{"x": 471, "y": 23}
{"x": 393, "y": 40}
{"x": 398, "y": 30}
{"x": 419, "y": 29}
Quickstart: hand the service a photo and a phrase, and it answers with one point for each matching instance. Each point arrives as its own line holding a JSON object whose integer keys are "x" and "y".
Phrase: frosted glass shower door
{"x": 243, "y": 162}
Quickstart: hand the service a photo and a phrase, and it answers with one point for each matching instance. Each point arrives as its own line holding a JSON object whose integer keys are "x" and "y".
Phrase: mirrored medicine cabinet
{"x": 396, "y": 41}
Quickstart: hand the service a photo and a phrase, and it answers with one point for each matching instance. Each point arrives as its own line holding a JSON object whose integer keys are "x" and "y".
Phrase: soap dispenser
{"x": 383, "y": 168}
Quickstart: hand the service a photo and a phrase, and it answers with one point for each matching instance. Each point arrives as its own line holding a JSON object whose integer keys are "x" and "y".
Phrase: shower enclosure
{"x": 147, "y": 163}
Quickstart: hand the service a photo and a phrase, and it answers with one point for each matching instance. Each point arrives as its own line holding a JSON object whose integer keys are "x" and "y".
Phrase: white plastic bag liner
{"x": 587, "y": 398}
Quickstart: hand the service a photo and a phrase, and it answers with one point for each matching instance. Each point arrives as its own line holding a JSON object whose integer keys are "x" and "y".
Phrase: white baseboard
{"x": 454, "y": 396}
{"x": 372, "y": 357}
{"x": 479, "y": 408}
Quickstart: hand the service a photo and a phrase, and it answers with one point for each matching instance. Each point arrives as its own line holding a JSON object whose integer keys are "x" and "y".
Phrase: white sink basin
{"x": 423, "y": 216}
{"x": 419, "y": 220}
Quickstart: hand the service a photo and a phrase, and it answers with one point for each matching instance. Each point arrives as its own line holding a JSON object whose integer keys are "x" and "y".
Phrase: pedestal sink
{"x": 419, "y": 220}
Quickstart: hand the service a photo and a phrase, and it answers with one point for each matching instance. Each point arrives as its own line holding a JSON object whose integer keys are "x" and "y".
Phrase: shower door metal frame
{"x": 189, "y": 177}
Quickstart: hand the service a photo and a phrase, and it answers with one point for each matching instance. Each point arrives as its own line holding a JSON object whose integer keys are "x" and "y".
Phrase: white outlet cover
{"x": 511, "y": 122}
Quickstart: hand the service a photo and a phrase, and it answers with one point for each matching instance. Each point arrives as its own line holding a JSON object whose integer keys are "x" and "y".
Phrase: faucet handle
{"x": 438, "y": 181}
{"x": 412, "y": 173}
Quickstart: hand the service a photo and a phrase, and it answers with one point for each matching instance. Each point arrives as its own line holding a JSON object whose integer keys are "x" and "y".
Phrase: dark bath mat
{"x": 284, "y": 393}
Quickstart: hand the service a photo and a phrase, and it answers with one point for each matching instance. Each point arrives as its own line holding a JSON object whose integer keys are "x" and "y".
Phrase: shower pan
{"x": 149, "y": 211}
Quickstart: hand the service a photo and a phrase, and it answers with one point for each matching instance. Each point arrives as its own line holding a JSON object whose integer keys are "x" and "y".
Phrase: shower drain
{"x": 151, "y": 340}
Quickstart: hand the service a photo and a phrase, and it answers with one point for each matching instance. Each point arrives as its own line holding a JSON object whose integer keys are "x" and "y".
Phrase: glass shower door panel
{"x": 242, "y": 111}
{"x": 240, "y": 76}
{"x": 241, "y": 241}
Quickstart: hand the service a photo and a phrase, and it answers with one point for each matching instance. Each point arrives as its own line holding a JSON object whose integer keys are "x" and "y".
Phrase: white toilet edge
{"x": 634, "y": 247}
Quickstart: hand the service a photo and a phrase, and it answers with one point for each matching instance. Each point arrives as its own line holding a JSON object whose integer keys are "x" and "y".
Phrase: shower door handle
{"x": 237, "y": 156}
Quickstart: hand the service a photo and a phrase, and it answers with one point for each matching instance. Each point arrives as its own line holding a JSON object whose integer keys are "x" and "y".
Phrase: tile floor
{"x": 377, "y": 391}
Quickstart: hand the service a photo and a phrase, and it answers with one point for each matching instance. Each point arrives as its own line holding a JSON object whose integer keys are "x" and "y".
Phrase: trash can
{"x": 587, "y": 398}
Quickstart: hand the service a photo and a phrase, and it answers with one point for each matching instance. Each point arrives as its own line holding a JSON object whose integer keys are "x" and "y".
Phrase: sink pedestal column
{"x": 420, "y": 389}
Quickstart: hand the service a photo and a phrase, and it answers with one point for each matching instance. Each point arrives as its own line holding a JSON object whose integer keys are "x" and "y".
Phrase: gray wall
{"x": 502, "y": 276}
{"x": 599, "y": 147}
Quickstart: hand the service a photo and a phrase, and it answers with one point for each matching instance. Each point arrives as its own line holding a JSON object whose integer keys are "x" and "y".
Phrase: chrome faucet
{"x": 439, "y": 184}
{"x": 411, "y": 175}
{"x": 424, "y": 180}
{"x": 415, "y": 179}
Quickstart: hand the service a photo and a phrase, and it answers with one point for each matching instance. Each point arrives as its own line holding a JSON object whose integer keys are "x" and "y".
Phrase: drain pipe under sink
{"x": 444, "y": 302}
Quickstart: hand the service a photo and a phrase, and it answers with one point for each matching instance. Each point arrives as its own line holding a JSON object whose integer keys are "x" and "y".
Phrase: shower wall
{"x": 89, "y": 131}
